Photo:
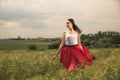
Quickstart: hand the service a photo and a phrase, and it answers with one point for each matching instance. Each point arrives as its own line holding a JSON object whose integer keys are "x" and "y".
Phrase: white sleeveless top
{"x": 71, "y": 39}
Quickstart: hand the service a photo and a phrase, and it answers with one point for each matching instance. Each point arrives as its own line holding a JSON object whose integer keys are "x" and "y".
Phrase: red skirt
{"x": 72, "y": 56}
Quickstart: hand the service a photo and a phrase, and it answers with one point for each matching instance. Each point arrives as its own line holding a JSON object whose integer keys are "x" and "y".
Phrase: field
{"x": 19, "y": 63}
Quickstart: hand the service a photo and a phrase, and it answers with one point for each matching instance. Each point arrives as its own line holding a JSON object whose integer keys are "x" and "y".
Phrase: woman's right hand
{"x": 54, "y": 57}
{"x": 60, "y": 46}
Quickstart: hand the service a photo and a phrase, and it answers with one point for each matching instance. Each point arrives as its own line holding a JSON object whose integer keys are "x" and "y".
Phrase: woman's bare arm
{"x": 60, "y": 46}
{"x": 79, "y": 40}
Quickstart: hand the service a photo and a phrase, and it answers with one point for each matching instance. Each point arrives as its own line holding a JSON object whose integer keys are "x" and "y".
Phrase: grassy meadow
{"x": 22, "y": 44}
{"x": 19, "y": 63}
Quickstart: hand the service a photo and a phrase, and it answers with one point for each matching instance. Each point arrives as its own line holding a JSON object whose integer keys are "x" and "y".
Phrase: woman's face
{"x": 69, "y": 24}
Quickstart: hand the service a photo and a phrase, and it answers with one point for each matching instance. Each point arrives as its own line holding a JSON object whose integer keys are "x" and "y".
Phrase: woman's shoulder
{"x": 64, "y": 32}
{"x": 78, "y": 33}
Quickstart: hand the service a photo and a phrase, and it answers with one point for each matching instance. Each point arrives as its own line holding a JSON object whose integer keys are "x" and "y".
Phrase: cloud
{"x": 47, "y": 18}
{"x": 9, "y": 25}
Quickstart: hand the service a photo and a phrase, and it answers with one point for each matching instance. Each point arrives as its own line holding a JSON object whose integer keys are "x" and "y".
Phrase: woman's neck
{"x": 71, "y": 30}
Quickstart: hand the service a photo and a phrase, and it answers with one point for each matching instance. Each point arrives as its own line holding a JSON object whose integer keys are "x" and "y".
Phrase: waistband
{"x": 71, "y": 45}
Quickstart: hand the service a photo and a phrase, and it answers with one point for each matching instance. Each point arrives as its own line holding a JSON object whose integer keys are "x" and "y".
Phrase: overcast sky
{"x": 47, "y": 18}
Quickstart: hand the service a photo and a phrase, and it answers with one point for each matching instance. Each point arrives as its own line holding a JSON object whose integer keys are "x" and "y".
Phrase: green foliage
{"x": 32, "y": 47}
{"x": 38, "y": 65}
{"x": 86, "y": 42}
{"x": 54, "y": 45}
{"x": 102, "y": 39}
{"x": 104, "y": 42}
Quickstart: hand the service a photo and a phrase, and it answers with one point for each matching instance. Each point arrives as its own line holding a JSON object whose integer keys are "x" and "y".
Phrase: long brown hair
{"x": 75, "y": 27}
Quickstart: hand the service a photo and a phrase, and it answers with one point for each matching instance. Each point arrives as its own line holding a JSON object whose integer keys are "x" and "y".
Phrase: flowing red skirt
{"x": 72, "y": 56}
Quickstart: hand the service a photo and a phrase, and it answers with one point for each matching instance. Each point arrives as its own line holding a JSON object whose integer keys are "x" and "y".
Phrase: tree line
{"x": 100, "y": 39}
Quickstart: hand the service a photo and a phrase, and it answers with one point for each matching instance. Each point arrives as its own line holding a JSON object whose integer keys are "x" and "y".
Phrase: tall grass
{"x": 38, "y": 65}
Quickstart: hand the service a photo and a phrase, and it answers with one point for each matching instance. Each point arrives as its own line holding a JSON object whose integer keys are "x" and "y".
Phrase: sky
{"x": 47, "y": 18}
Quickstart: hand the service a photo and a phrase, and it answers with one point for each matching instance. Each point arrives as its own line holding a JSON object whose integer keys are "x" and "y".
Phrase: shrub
{"x": 86, "y": 42}
{"x": 32, "y": 47}
{"x": 54, "y": 45}
{"x": 104, "y": 42}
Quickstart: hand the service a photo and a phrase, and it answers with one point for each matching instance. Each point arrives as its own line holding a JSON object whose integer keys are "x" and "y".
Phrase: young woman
{"x": 74, "y": 54}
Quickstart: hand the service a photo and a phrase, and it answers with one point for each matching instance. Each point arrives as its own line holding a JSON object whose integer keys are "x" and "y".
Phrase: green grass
{"x": 22, "y": 44}
{"x": 19, "y": 63}
{"x": 38, "y": 65}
